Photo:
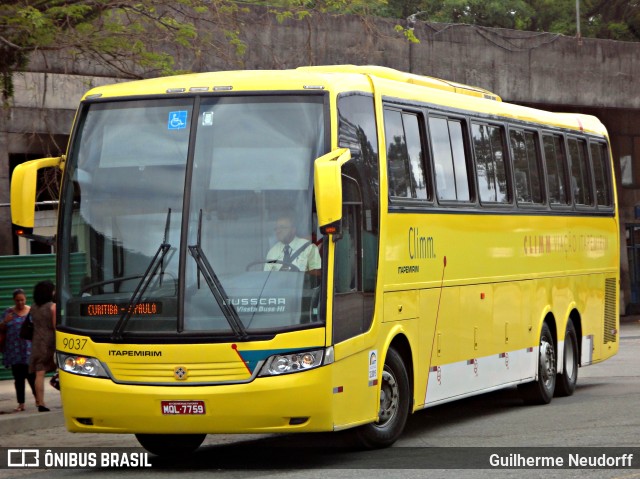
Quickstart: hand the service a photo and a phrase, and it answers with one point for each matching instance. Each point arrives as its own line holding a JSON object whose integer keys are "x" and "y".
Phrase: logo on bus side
{"x": 568, "y": 243}
{"x": 420, "y": 247}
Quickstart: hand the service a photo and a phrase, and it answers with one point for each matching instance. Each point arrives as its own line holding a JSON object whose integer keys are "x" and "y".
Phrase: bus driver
{"x": 290, "y": 250}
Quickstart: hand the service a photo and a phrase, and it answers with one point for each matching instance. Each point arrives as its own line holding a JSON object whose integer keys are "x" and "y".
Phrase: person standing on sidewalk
{"x": 43, "y": 346}
{"x": 16, "y": 349}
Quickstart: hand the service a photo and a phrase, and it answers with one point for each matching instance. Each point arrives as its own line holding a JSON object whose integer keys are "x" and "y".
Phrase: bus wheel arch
{"x": 577, "y": 323}
{"x": 567, "y": 380}
{"x": 401, "y": 345}
{"x": 396, "y": 398}
{"x": 541, "y": 390}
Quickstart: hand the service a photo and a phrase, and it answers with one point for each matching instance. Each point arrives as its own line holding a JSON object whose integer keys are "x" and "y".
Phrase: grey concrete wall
{"x": 532, "y": 67}
{"x": 526, "y": 67}
{"x": 519, "y": 66}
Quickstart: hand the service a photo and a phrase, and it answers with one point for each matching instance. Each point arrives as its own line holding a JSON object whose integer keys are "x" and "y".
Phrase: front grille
{"x": 222, "y": 372}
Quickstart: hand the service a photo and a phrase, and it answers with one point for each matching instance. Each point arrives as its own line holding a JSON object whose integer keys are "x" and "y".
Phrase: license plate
{"x": 182, "y": 407}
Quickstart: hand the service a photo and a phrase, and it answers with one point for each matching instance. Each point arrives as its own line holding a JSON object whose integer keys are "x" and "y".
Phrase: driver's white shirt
{"x": 308, "y": 259}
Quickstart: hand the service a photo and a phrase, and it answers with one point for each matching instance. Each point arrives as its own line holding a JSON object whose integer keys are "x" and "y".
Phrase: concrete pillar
{"x": 6, "y": 240}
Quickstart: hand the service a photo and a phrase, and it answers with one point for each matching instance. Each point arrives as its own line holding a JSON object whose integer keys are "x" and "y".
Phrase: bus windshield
{"x": 193, "y": 216}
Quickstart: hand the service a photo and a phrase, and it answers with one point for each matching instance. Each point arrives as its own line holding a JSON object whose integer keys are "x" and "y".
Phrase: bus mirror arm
{"x": 48, "y": 240}
{"x": 338, "y": 235}
{"x": 327, "y": 181}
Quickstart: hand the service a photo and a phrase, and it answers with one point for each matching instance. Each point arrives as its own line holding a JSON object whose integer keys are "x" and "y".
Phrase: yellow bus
{"x": 322, "y": 249}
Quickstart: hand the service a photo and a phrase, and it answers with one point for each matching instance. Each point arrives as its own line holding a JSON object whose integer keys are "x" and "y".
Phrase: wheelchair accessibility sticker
{"x": 177, "y": 120}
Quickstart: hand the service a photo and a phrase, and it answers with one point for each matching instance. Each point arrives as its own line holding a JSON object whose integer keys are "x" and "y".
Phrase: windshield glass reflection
{"x": 251, "y": 230}
{"x": 253, "y": 176}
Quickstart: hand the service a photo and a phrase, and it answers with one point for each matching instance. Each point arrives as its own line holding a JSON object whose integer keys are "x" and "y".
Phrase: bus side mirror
{"x": 23, "y": 190}
{"x": 327, "y": 183}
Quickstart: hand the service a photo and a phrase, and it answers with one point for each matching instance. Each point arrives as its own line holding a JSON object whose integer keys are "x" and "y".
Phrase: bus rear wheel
{"x": 395, "y": 402}
{"x": 541, "y": 390}
{"x": 170, "y": 444}
{"x": 567, "y": 381}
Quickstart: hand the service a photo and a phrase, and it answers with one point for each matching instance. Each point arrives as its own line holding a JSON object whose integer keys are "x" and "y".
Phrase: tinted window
{"x": 556, "y": 164}
{"x": 357, "y": 131}
{"x": 580, "y": 180}
{"x": 526, "y": 166}
{"x": 601, "y": 174}
{"x": 491, "y": 168}
{"x": 353, "y": 310}
{"x": 404, "y": 155}
{"x": 452, "y": 182}
{"x": 416, "y": 155}
{"x": 397, "y": 156}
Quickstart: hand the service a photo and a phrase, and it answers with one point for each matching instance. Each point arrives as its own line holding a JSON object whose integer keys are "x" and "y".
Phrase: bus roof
{"x": 338, "y": 78}
{"x": 403, "y": 77}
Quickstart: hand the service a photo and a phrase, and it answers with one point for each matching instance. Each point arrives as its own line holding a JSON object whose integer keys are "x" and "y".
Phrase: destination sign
{"x": 147, "y": 308}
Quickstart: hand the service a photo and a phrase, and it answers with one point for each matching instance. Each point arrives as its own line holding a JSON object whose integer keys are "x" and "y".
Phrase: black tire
{"x": 541, "y": 390}
{"x": 170, "y": 444}
{"x": 395, "y": 402}
{"x": 566, "y": 382}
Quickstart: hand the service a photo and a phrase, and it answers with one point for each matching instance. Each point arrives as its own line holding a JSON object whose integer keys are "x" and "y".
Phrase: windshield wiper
{"x": 215, "y": 286}
{"x": 143, "y": 284}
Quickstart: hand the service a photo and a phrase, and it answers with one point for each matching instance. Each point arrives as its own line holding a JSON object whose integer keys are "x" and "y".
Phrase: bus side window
{"x": 580, "y": 178}
{"x": 526, "y": 165}
{"x": 491, "y": 169}
{"x": 601, "y": 175}
{"x": 397, "y": 161}
{"x": 405, "y": 163}
{"x": 555, "y": 162}
{"x": 452, "y": 178}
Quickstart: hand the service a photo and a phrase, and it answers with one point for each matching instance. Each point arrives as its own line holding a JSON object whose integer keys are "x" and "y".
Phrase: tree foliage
{"x": 613, "y": 19}
{"x": 299, "y": 9}
{"x": 124, "y": 36}
{"x": 505, "y": 14}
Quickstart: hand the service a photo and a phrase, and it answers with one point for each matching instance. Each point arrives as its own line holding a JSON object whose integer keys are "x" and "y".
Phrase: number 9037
{"x": 74, "y": 344}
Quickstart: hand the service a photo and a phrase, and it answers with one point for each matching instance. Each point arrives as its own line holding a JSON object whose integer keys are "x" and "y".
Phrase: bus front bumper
{"x": 293, "y": 402}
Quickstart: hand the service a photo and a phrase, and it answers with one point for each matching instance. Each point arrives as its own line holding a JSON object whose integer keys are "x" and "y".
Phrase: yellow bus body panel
{"x": 145, "y": 376}
{"x": 263, "y": 405}
{"x": 486, "y": 308}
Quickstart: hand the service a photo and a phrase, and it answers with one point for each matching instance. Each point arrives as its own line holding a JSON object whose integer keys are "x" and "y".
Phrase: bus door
{"x": 348, "y": 311}
{"x": 352, "y": 318}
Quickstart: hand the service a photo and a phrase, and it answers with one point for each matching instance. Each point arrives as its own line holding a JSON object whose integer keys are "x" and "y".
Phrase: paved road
{"x": 603, "y": 413}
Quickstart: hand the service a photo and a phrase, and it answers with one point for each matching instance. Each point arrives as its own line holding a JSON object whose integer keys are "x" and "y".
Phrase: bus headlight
{"x": 83, "y": 365}
{"x": 296, "y": 362}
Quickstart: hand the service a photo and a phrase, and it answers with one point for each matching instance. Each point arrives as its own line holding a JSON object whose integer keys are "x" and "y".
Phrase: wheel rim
{"x": 547, "y": 363}
{"x": 569, "y": 358}
{"x": 389, "y": 395}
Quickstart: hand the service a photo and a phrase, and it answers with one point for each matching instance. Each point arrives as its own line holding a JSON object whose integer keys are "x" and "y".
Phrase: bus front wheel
{"x": 567, "y": 381}
{"x": 395, "y": 402}
{"x": 541, "y": 390}
{"x": 170, "y": 444}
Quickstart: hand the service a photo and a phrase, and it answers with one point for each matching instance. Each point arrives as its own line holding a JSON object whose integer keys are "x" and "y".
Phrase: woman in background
{"x": 16, "y": 349}
{"x": 43, "y": 346}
